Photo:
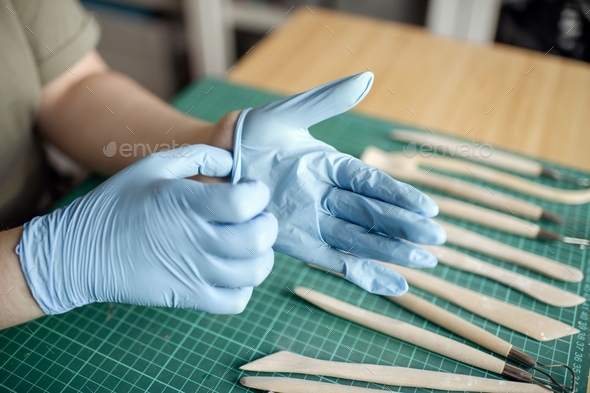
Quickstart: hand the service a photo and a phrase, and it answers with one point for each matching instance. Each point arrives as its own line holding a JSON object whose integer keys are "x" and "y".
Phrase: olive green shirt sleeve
{"x": 61, "y": 32}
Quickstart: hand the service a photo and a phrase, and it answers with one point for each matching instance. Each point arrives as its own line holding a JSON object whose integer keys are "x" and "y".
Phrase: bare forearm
{"x": 17, "y": 302}
{"x": 109, "y": 107}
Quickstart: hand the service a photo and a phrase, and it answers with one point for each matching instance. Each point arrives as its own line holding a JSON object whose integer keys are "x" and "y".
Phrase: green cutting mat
{"x": 114, "y": 347}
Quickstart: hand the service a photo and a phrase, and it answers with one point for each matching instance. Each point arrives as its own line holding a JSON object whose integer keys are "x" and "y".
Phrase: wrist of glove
{"x": 148, "y": 236}
{"x": 334, "y": 211}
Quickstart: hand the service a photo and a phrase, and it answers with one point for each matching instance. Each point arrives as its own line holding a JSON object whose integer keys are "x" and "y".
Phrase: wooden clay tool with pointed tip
{"x": 293, "y": 385}
{"x": 458, "y": 325}
{"x": 468, "y": 330}
{"x": 473, "y": 241}
{"x": 537, "y": 289}
{"x": 287, "y": 362}
{"x": 414, "y": 335}
{"x": 498, "y": 159}
{"x": 403, "y": 171}
{"x": 474, "y": 333}
{"x": 529, "y": 323}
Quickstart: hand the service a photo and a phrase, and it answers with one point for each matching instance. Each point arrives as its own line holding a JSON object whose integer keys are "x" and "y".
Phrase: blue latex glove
{"x": 328, "y": 202}
{"x": 147, "y": 236}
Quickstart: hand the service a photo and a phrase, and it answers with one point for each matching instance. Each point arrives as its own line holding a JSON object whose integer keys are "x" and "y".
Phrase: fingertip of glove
{"x": 439, "y": 235}
{"x": 377, "y": 279}
{"x": 397, "y": 288}
{"x": 365, "y": 77}
{"x": 362, "y": 84}
{"x": 430, "y": 233}
{"x": 428, "y": 207}
{"x": 272, "y": 227}
{"x": 422, "y": 259}
{"x": 255, "y": 189}
{"x": 214, "y": 162}
{"x": 247, "y": 199}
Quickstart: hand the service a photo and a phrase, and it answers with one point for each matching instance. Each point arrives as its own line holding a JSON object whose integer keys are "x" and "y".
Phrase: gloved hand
{"x": 147, "y": 236}
{"x": 334, "y": 211}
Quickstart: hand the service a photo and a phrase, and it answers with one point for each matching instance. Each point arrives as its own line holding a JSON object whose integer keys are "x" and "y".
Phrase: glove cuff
{"x": 236, "y": 172}
{"x": 45, "y": 273}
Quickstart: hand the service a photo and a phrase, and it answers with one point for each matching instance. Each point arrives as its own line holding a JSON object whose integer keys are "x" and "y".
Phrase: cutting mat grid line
{"x": 114, "y": 347}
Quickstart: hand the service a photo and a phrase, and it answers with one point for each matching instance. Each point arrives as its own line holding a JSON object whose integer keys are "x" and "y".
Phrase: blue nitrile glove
{"x": 328, "y": 202}
{"x": 147, "y": 236}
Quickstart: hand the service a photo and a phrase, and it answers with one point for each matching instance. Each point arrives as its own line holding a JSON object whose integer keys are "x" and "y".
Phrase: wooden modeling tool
{"x": 287, "y": 362}
{"x": 292, "y": 385}
{"x": 532, "y": 324}
{"x": 498, "y": 159}
{"x": 471, "y": 332}
{"x": 494, "y": 176}
{"x": 534, "y": 288}
{"x": 474, "y": 333}
{"x": 402, "y": 170}
{"x": 414, "y": 335}
{"x": 503, "y": 222}
{"x": 473, "y": 241}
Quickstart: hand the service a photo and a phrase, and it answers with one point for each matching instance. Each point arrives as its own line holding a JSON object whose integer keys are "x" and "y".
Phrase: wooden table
{"x": 533, "y": 103}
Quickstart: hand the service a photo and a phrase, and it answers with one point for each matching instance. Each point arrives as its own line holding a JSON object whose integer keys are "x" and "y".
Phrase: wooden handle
{"x": 486, "y": 217}
{"x": 449, "y": 321}
{"x": 503, "y": 179}
{"x": 537, "y": 289}
{"x": 287, "y": 362}
{"x": 292, "y": 385}
{"x": 403, "y": 331}
{"x": 529, "y": 323}
{"x": 498, "y": 159}
{"x": 468, "y": 239}
{"x": 452, "y": 323}
{"x": 401, "y": 170}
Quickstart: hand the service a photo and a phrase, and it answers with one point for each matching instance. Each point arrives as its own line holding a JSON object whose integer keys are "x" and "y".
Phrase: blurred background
{"x": 163, "y": 44}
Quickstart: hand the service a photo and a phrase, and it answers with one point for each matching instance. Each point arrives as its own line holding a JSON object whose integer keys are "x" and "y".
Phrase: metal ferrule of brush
{"x": 522, "y": 357}
{"x": 514, "y": 373}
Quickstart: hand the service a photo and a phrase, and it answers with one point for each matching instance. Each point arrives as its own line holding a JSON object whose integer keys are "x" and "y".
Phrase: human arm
{"x": 17, "y": 304}
{"x": 84, "y": 110}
